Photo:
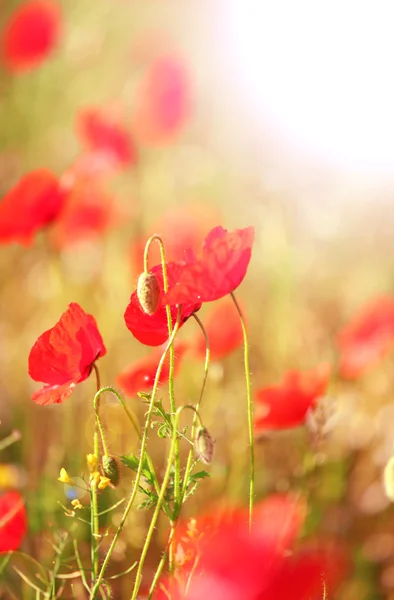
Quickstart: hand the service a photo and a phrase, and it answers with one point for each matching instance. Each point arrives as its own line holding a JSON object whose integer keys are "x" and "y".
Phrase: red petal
{"x": 53, "y": 394}
{"x": 31, "y": 34}
{"x": 34, "y": 202}
{"x": 140, "y": 375}
{"x": 162, "y": 102}
{"x": 367, "y": 338}
{"x": 152, "y": 329}
{"x": 285, "y": 405}
{"x": 219, "y": 269}
{"x": 66, "y": 352}
{"x": 13, "y": 521}
{"x": 224, "y": 331}
{"x": 101, "y": 132}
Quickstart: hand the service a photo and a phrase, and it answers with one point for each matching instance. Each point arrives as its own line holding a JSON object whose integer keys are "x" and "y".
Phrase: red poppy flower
{"x": 163, "y": 102}
{"x": 285, "y": 405}
{"x": 88, "y": 212}
{"x": 218, "y": 270}
{"x": 31, "y": 34}
{"x": 64, "y": 355}
{"x": 34, "y": 202}
{"x": 367, "y": 338}
{"x": 217, "y": 558}
{"x": 224, "y": 331}
{"x": 152, "y": 329}
{"x": 103, "y": 133}
{"x": 140, "y": 375}
{"x": 13, "y": 521}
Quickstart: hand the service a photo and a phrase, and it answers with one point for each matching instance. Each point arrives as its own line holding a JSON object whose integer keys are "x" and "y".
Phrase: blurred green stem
{"x": 95, "y": 526}
{"x": 249, "y": 409}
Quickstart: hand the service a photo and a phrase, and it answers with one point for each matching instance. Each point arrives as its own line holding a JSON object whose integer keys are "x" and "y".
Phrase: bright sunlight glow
{"x": 321, "y": 73}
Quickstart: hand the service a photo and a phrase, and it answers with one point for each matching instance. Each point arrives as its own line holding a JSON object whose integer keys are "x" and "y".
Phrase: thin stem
{"x": 14, "y": 436}
{"x": 142, "y": 453}
{"x": 95, "y": 526}
{"x": 249, "y": 408}
{"x": 161, "y": 564}
{"x": 160, "y": 499}
{"x": 197, "y": 407}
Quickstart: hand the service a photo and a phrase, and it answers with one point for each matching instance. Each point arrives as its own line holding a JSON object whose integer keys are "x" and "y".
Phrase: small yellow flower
{"x": 91, "y": 460}
{"x": 64, "y": 477}
{"x": 104, "y": 482}
{"x": 94, "y": 478}
{"x": 76, "y": 504}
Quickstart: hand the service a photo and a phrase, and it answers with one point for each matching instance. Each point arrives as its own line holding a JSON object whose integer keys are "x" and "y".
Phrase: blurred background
{"x": 236, "y": 113}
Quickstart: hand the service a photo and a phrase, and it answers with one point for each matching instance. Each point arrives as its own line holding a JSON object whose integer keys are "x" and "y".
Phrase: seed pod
{"x": 148, "y": 292}
{"x": 203, "y": 445}
{"x": 111, "y": 469}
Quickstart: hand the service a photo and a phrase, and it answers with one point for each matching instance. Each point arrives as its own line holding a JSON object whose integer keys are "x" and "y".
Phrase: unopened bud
{"x": 203, "y": 445}
{"x": 111, "y": 469}
{"x": 148, "y": 292}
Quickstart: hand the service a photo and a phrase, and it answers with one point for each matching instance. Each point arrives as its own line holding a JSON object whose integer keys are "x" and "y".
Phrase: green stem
{"x": 249, "y": 409}
{"x": 95, "y": 526}
{"x": 161, "y": 564}
{"x": 160, "y": 499}
{"x": 14, "y": 436}
{"x": 142, "y": 453}
{"x": 197, "y": 407}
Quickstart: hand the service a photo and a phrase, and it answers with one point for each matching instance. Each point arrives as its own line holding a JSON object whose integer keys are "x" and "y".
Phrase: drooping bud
{"x": 111, "y": 469}
{"x": 148, "y": 292}
{"x": 204, "y": 445}
{"x": 388, "y": 479}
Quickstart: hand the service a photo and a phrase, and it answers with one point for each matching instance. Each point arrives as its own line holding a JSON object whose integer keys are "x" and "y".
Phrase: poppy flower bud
{"x": 111, "y": 469}
{"x": 203, "y": 445}
{"x": 148, "y": 292}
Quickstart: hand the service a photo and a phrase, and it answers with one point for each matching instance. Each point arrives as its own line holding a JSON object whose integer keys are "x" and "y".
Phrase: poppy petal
{"x": 53, "y": 394}
{"x": 13, "y": 521}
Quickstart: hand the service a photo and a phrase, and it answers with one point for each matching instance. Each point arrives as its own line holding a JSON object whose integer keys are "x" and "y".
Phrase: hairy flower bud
{"x": 203, "y": 445}
{"x": 148, "y": 292}
{"x": 111, "y": 469}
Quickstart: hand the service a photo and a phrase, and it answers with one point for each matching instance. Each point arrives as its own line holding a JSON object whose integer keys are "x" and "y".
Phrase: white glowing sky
{"x": 322, "y": 73}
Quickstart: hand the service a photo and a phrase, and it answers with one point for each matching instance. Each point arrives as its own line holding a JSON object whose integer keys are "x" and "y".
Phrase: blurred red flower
{"x": 163, "y": 101}
{"x": 367, "y": 338}
{"x": 88, "y": 212}
{"x": 182, "y": 230}
{"x": 226, "y": 563}
{"x": 152, "y": 329}
{"x": 102, "y": 133}
{"x": 285, "y": 405}
{"x": 64, "y": 355}
{"x": 34, "y": 202}
{"x": 218, "y": 270}
{"x": 224, "y": 331}
{"x": 140, "y": 375}
{"x": 13, "y": 521}
{"x": 31, "y": 34}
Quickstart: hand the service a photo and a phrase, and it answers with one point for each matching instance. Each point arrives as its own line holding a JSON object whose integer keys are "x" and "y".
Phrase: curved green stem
{"x": 249, "y": 408}
{"x": 197, "y": 407}
{"x": 142, "y": 453}
{"x": 95, "y": 525}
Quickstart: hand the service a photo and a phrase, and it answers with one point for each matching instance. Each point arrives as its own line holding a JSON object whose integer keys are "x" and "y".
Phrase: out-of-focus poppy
{"x": 152, "y": 329}
{"x": 218, "y": 558}
{"x": 31, "y": 34}
{"x": 224, "y": 331}
{"x": 140, "y": 375}
{"x": 218, "y": 270}
{"x": 182, "y": 230}
{"x": 88, "y": 212}
{"x": 64, "y": 355}
{"x": 13, "y": 521}
{"x": 163, "y": 102}
{"x": 34, "y": 202}
{"x": 367, "y": 338}
{"x": 285, "y": 405}
{"x": 101, "y": 132}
